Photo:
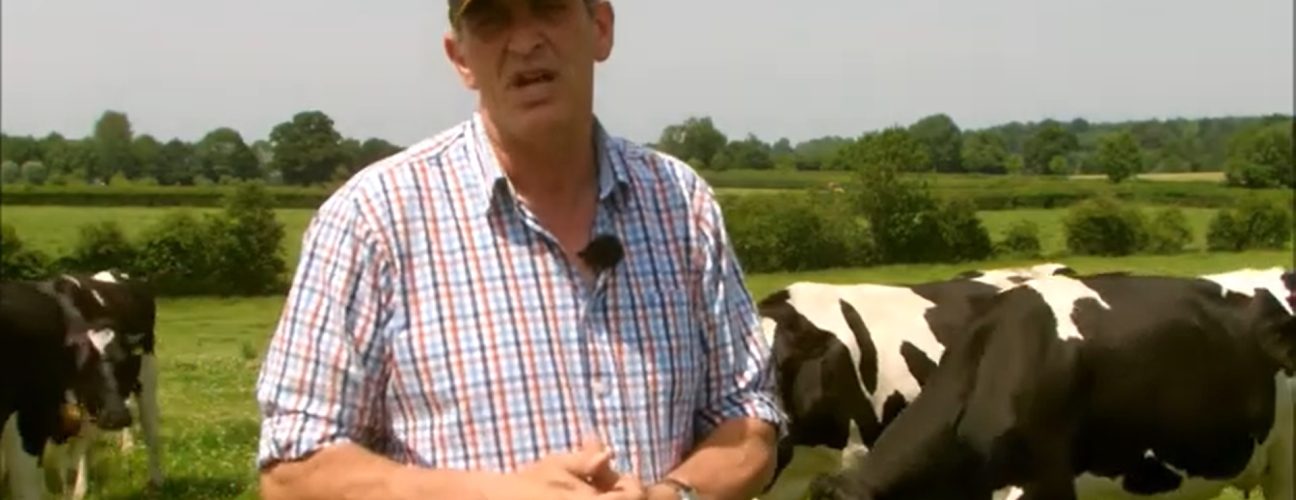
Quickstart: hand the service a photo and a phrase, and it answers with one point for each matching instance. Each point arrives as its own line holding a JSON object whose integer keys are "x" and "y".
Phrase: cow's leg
{"x": 23, "y": 462}
{"x": 149, "y": 416}
{"x": 78, "y": 456}
{"x": 1051, "y": 477}
{"x": 1281, "y": 481}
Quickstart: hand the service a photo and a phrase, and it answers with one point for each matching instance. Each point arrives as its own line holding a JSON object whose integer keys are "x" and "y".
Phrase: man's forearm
{"x": 350, "y": 472}
{"x": 734, "y": 462}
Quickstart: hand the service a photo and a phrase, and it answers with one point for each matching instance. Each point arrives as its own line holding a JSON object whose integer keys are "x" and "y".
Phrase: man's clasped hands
{"x": 582, "y": 474}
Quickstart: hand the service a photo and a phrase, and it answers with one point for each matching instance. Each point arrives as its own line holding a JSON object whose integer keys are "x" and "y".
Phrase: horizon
{"x": 64, "y": 64}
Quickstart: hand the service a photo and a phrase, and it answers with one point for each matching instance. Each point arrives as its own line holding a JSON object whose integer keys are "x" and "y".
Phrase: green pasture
{"x": 210, "y": 349}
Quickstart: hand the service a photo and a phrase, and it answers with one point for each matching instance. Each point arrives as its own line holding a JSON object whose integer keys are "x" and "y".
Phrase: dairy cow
{"x": 849, "y": 357}
{"x": 1111, "y": 387}
{"x": 58, "y": 354}
{"x": 132, "y": 305}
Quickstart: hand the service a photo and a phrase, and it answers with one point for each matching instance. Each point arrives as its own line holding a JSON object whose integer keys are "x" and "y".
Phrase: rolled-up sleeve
{"x": 320, "y": 381}
{"x": 739, "y": 382}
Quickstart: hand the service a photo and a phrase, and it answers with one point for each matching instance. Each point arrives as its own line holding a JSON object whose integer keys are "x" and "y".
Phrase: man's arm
{"x": 320, "y": 385}
{"x": 349, "y": 472}
{"x": 739, "y": 420}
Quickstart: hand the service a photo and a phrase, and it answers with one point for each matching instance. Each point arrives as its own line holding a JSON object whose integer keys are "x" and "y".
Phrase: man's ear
{"x": 604, "y": 23}
{"x": 454, "y": 53}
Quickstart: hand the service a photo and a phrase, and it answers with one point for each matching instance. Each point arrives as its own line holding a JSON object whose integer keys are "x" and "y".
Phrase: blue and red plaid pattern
{"x": 433, "y": 320}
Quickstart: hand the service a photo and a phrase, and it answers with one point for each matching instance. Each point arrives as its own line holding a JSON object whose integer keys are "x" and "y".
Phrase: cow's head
{"x": 1268, "y": 297}
{"x": 96, "y": 350}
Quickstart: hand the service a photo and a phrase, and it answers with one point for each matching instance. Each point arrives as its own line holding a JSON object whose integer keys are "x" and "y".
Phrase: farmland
{"x": 209, "y": 352}
{"x": 210, "y": 348}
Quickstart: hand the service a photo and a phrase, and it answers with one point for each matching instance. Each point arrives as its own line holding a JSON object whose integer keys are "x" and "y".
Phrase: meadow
{"x": 210, "y": 349}
{"x": 209, "y": 353}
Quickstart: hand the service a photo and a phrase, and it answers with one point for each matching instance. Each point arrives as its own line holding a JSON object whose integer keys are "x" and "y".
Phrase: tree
{"x": 892, "y": 147}
{"x": 112, "y": 141}
{"x": 1262, "y": 157}
{"x": 375, "y": 149}
{"x": 1049, "y": 141}
{"x": 148, "y": 154}
{"x": 749, "y": 153}
{"x": 222, "y": 153}
{"x": 307, "y": 150}
{"x": 1119, "y": 156}
{"x": 10, "y": 172}
{"x": 695, "y": 138}
{"x": 1058, "y": 166}
{"x": 35, "y": 173}
{"x": 19, "y": 149}
{"x": 943, "y": 140}
{"x": 178, "y": 164}
{"x": 985, "y": 152}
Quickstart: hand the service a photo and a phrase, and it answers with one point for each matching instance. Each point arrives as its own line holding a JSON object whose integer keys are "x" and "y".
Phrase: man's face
{"x": 532, "y": 61}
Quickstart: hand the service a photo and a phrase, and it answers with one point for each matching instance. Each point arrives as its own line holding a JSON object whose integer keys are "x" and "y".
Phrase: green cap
{"x": 457, "y": 9}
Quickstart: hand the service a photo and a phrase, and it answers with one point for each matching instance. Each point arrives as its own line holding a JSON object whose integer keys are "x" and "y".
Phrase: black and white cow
{"x": 133, "y": 306}
{"x": 1111, "y": 387}
{"x": 849, "y": 357}
{"x": 58, "y": 353}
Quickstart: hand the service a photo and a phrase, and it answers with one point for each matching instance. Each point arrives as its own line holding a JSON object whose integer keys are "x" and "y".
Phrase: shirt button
{"x": 599, "y": 387}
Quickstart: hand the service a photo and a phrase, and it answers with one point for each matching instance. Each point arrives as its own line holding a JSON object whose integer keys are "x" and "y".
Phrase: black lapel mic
{"x": 603, "y": 252}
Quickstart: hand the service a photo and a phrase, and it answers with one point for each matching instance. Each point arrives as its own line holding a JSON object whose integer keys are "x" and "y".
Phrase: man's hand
{"x": 626, "y": 488}
{"x": 582, "y": 474}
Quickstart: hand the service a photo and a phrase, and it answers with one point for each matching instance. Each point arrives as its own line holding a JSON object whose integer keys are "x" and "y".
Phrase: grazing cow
{"x": 1111, "y": 387}
{"x": 56, "y": 347}
{"x": 849, "y": 358}
{"x": 131, "y": 304}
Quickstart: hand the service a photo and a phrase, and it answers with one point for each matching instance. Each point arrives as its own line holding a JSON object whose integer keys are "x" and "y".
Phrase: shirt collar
{"x": 613, "y": 180}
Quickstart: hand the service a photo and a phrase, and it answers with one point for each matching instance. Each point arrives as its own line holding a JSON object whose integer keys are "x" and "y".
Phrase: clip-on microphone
{"x": 603, "y": 252}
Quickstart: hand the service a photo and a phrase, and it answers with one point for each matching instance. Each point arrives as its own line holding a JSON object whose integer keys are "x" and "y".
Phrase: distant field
{"x": 1165, "y": 176}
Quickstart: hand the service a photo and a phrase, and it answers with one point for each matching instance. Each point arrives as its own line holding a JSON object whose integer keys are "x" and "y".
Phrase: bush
{"x": 252, "y": 245}
{"x": 964, "y": 237}
{"x": 100, "y": 246}
{"x": 797, "y": 232}
{"x": 1169, "y": 232}
{"x": 1021, "y": 240}
{"x": 35, "y": 173}
{"x": 17, "y": 262}
{"x": 1253, "y": 224}
{"x": 181, "y": 253}
{"x": 1103, "y": 226}
{"x": 902, "y": 215}
{"x": 10, "y": 173}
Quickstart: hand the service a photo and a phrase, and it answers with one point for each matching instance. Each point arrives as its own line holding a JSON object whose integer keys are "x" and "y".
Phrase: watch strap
{"x": 685, "y": 491}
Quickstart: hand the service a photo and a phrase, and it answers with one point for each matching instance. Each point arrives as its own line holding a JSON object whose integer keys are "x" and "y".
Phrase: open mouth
{"x": 527, "y": 78}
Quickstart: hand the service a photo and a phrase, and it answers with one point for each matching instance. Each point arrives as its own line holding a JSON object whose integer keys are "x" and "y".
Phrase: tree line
{"x": 305, "y": 150}
{"x": 1254, "y": 151}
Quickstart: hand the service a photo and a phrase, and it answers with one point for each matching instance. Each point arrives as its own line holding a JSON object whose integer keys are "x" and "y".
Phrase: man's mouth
{"x": 527, "y": 78}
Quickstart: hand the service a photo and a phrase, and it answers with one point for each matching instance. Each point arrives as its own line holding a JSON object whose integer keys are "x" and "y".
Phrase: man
{"x": 448, "y": 335}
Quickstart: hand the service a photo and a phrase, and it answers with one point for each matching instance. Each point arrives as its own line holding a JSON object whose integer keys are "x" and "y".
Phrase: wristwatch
{"x": 685, "y": 491}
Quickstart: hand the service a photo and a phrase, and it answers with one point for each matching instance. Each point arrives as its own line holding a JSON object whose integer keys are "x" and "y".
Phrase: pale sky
{"x": 791, "y": 68}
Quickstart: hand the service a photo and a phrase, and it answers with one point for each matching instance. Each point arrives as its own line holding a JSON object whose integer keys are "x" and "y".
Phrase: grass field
{"x": 209, "y": 352}
{"x": 1165, "y": 177}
